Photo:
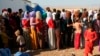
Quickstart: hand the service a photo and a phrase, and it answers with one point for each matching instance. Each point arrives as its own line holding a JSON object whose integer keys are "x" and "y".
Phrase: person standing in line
{"x": 26, "y": 29}
{"x": 33, "y": 33}
{"x": 90, "y": 37}
{"x": 58, "y": 29}
{"x": 63, "y": 27}
{"x": 77, "y": 34}
{"x": 39, "y": 29}
{"x": 69, "y": 28}
{"x": 77, "y": 29}
{"x": 84, "y": 20}
{"x": 96, "y": 25}
{"x": 3, "y": 36}
{"x": 19, "y": 20}
{"x": 51, "y": 31}
{"x": 12, "y": 28}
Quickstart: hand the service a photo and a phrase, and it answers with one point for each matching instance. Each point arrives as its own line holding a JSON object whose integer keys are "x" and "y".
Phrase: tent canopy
{"x": 37, "y": 8}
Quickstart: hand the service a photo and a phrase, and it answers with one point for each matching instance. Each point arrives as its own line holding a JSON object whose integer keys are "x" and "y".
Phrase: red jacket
{"x": 50, "y": 23}
{"x": 25, "y": 23}
{"x": 39, "y": 25}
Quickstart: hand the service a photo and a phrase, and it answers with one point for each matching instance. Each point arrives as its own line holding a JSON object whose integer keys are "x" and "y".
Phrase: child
{"x": 21, "y": 41}
{"x": 90, "y": 36}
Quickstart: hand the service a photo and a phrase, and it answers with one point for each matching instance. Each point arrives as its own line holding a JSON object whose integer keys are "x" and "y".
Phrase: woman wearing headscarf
{"x": 58, "y": 29}
{"x": 39, "y": 29}
{"x": 69, "y": 28}
{"x": 8, "y": 28}
{"x": 51, "y": 34}
{"x": 25, "y": 24}
{"x": 33, "y": 30}
{"x": 25, "y": 20}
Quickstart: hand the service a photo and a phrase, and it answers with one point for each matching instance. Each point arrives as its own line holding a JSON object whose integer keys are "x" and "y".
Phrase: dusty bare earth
{"x": 63, "y": 52}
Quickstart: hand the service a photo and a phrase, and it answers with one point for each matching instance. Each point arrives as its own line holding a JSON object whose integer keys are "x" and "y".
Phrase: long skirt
{"x": 77, "y": 40}
{"x": 41, "y": 40}
{"x": 51, "y": 38}
{"x": 34, "y": 38}
{"x": 27, "y": 37}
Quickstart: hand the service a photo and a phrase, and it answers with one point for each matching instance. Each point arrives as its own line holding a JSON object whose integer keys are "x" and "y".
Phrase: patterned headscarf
{"x": 32, "y": 14}
{"x": 26, "y": 15}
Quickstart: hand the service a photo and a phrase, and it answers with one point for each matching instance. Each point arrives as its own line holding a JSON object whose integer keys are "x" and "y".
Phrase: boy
{"x": 20, "y": 40}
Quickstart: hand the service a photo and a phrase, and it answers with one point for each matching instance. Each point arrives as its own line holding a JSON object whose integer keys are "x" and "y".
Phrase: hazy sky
{"x": 67, "y": 2}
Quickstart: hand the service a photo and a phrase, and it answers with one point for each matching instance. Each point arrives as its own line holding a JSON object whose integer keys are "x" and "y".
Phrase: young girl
{"x": 90, "y": 36}
{"x": 21, "y": 41}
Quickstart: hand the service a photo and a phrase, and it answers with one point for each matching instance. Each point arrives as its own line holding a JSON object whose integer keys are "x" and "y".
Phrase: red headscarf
{"x": 4, "y": 10}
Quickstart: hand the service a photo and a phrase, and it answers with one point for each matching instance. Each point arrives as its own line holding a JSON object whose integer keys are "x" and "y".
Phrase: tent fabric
{"x": 17, "y": 53}
{"x": 8, "y": 51}
{"x": 29, "y": 8}
{"x": 21, "y": 54}
{"x": 44, "y": 15}
{"x": 24, "y": 54}
{"x": 5, "y": 52}
{"x": 36, "y": 8}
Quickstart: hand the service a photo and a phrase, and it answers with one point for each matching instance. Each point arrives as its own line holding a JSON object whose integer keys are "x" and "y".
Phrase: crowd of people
{"x": 55, "y": 30}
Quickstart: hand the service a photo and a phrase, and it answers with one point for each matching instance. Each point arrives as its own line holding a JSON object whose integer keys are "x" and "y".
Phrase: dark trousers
{"x": 69, "y": 39}
{"x": 63, "y": 39}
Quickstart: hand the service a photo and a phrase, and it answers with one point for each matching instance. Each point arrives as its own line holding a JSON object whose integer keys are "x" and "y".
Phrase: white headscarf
{"x": 49, "y": 16}
{"x": 26, "y": 16}
{"x": 90, "y": 12}
{"x": 4, "y": 14}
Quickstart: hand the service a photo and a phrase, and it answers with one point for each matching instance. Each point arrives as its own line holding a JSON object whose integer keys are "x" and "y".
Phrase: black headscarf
{"x": 57, "y": 16}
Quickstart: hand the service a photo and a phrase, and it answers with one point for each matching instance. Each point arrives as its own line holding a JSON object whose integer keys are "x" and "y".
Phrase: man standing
{"x": 96, "y": 25}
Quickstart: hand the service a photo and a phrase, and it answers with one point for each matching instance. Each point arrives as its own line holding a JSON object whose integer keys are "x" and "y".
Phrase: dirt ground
{"x": 64, "y": 52}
